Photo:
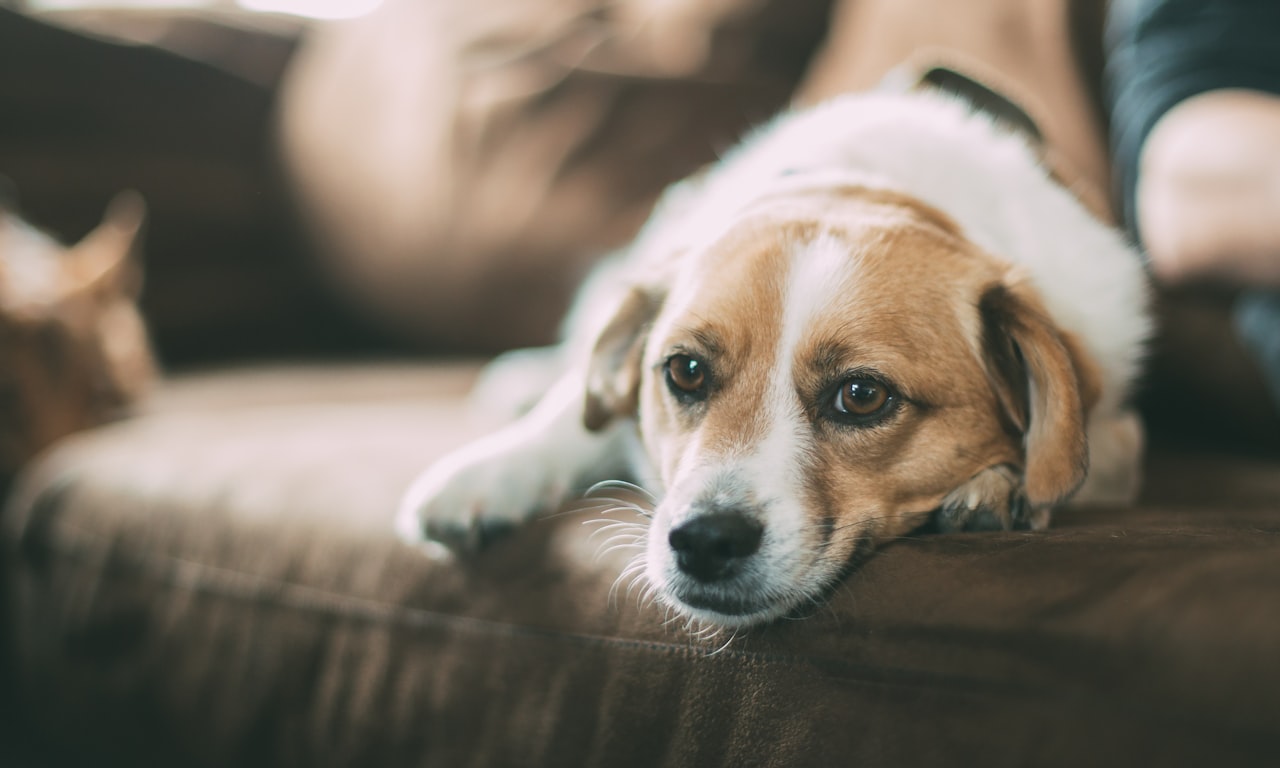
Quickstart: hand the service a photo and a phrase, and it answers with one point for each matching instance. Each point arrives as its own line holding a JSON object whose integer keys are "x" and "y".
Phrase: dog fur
{"x": 883, "y": 245}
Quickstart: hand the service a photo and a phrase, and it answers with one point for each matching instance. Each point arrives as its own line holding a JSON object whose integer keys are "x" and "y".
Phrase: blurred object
{"x": 314, "y": 9}
{"x": 251, "y": 39}
{"x": 1044, "y": 56}
{"x": 1256, "y": 316}
{"x": 462, "y": 163}
{"x": 227, "y": 276}
{"x": 251, "y": 46}
{"x": 310, "y": 9}
{"x": 73, "y": 348}
{"x": 1203, "y": 386}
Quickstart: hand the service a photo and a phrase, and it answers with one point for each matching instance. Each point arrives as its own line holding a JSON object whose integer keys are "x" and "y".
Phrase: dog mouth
{"x": 747, "y": 600}
{"x": 728, "y": 605}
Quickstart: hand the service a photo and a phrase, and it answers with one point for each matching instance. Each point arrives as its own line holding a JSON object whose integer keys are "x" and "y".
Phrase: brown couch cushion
{"x": 216, "y": 584}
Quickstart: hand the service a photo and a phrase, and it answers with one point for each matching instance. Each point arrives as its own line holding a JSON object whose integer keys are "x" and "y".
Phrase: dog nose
{"x": 711, "y": 547}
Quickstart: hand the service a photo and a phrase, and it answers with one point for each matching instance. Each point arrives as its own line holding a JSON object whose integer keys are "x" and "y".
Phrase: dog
{"x": 874, "y": 315}
{"x": 74, "y": 348}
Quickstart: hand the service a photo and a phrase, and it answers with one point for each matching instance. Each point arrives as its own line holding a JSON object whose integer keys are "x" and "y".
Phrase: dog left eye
{"x": 860, "y": 398}
{"x": 686, "y": 377}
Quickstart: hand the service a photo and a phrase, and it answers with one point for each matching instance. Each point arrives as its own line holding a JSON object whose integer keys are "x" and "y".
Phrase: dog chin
{"x": 728, "y": 611}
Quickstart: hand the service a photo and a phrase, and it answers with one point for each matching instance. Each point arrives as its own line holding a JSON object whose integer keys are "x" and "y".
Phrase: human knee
{"x": 1209, "y": 186}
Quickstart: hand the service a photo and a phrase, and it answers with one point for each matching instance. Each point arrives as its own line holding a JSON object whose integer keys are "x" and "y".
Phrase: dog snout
{"x": 712, "y": 547}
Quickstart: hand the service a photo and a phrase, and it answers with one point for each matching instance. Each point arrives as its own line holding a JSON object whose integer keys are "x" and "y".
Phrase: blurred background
{"x": 175, "y": 100}
{"x": 392, "y": 177}
{"x": 364, "y": 177}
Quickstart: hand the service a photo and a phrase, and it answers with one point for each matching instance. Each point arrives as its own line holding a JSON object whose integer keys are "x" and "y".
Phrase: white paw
{"x": 478, "y": 493}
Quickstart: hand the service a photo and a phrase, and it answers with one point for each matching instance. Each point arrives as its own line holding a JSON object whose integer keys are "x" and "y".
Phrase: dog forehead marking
{"x": 817, "y": 273}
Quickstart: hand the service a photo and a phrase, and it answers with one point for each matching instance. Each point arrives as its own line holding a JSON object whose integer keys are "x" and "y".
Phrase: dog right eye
{"x": 686, "y": 377}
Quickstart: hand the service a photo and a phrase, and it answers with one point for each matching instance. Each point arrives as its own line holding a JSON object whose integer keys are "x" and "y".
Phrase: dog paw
{"x": 991, "y": 500}
{"x": 476, "y": 495}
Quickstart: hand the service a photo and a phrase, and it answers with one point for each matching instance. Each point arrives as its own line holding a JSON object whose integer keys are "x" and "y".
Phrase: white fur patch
{"x": 818, "y": 273}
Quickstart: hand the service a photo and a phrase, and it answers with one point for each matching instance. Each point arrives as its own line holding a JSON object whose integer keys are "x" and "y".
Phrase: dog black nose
{"x": 711, "y": 547}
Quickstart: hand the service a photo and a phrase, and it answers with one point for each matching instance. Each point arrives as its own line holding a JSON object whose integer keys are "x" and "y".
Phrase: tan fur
{"x": 1056, "y": 451}
{"x": 734, "y": 325}
{"x": 910, "y": 312}
{"x": 613, "y": 375}
{"x": 73, "y": 348}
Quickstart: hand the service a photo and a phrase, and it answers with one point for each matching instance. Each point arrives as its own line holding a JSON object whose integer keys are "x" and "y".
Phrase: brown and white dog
{"x": 874, "y": 314}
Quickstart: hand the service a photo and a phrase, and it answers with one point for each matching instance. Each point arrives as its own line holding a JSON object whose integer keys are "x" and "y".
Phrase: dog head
{"x": 73, "y": 346}
{"x": 822, "y": 377}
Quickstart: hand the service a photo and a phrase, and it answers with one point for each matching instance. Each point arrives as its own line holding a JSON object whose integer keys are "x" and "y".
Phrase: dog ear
{"x": 103, "y": 263}
{"x": 1045, "y": 385}
{"x": 613, "y": 371}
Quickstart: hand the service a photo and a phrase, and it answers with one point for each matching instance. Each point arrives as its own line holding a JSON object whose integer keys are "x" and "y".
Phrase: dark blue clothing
{"x": 1161, "y": 52}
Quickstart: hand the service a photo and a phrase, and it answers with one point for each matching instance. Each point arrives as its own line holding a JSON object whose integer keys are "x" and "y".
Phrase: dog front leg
{"x": 531, "y": 466}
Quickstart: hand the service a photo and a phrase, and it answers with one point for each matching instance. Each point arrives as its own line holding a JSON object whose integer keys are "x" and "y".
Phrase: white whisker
{"x": 728, "y": 641}
{"x": 618, "y": 546}
{"x": 630, "y": 573}
{"x": 620, "y": 485}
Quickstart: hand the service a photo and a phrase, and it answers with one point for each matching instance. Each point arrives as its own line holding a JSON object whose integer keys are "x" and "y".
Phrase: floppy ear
{"x": 1045, "y": 385}
{"x": 103, "y": 262}
{"x": 613, "y": 371}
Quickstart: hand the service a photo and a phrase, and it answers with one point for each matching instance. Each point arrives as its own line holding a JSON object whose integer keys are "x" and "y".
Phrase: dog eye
{"x": 861, "y": 398}
{"x": 686, "y": 377}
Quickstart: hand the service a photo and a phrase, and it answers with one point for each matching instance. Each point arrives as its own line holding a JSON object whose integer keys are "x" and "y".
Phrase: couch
{"x": 214, "y": 581}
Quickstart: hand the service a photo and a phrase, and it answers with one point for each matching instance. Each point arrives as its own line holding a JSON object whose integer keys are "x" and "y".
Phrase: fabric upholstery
{"x": 216, "y": 583}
